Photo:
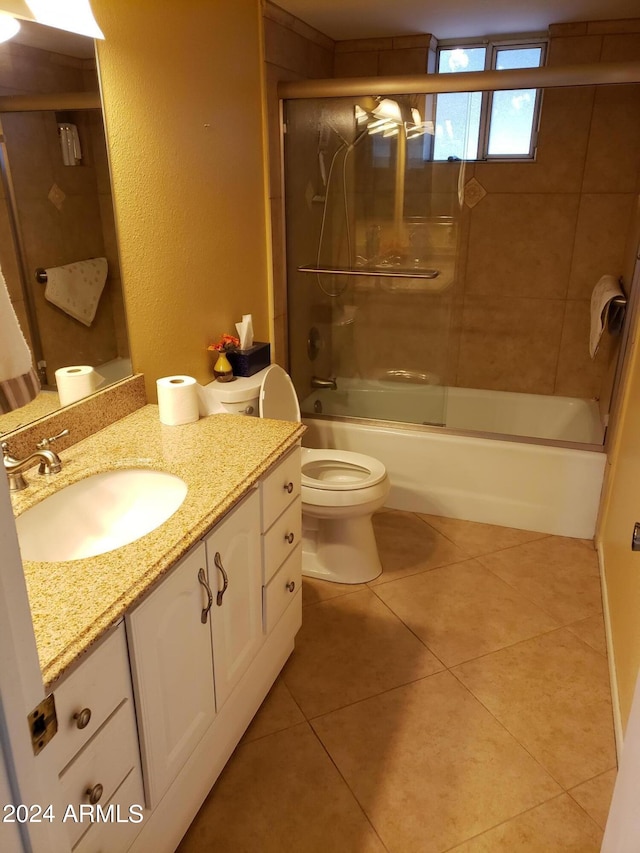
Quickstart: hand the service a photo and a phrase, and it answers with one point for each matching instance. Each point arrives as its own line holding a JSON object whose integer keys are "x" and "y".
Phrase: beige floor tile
{"x": 558, "y": 574}
{"x": 463, "y": 611}
{"x": 315, "y": 590}
{"x": 591, "y": 631}
{"x": 281, "y": 793}
{"x": 350, "y": 648}
{"x": 430, "y": 766}
{"x": 407, "y": 545}
{"x": 278, "y": 711}
{"x": 475, "y": 538}
{"x": 595, "y": 796}
{"x": 552, "y": 694}
{"x": 558, "y": 826}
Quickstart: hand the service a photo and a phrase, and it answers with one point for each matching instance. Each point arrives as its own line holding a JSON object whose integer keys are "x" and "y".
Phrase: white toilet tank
{"x": 239, "y": 397}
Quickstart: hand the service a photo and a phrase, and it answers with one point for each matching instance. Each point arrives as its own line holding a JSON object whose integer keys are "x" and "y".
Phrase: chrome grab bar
{"x": 321, "y": 382}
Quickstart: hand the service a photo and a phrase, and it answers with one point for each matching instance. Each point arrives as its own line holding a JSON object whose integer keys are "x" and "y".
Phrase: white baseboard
{"x": 613, "y": 680}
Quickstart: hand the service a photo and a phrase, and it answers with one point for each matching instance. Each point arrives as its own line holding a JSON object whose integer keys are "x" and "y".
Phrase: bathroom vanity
{"x": 159, "y": 653}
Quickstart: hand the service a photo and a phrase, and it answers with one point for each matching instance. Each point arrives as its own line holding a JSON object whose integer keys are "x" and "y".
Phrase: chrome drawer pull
{"x": 218, "y": 561}
{"x": 94, "y": 793}
{"x": 205, "y": 611}
{"x": 82, "y": 718}
{"x": 288, "y": 487}
{"x": 289, "y": 538}
{"x": 291, "y": 586}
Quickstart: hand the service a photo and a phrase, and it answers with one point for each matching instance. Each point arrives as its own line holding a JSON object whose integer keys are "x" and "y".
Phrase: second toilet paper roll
{"x": 177, "y": 400}
{"x": 76, "y": 382}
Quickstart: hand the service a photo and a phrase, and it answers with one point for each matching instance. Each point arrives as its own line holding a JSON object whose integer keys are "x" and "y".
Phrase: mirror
{"x": 56, "y": 210}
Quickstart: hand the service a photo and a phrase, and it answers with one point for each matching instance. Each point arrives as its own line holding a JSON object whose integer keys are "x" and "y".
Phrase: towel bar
{"x": 41, "y": 275}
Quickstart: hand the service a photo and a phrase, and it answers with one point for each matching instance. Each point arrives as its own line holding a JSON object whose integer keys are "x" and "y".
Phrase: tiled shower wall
{"x": 79, "y": 226}
{"x": 532, "y": 249}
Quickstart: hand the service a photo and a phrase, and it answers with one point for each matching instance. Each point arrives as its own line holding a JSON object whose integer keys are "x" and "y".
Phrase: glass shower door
{"x": 372, "y": 230}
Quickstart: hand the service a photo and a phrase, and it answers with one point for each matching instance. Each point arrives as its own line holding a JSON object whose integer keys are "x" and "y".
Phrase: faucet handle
{"x": 45, "y": 442}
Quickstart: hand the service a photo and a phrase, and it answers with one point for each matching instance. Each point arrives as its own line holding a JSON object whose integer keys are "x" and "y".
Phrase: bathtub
{"x": 528, "y": 485}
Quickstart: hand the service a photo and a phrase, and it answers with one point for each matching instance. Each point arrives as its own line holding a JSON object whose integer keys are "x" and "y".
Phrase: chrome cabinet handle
{"x": 288, "y": 487}
{"x": 205, "y": 610}
{"x": 82, "y": 718}
{"x": 94, "y": 793}
{"x": 291, "y": 586}
{"x": 289, "y": 537}
{"x": 218, "y": 561}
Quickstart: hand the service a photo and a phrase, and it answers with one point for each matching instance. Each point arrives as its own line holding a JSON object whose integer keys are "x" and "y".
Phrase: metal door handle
{"x": 291, "y": 586}
{"x": 289, "y": 537}
{"x": 288, "y": 487}
{"x": 218, "y": 561}
{"x": 82, "y": 718}
{"x": 94, "y": 793}
{"x": 205, "y": 611}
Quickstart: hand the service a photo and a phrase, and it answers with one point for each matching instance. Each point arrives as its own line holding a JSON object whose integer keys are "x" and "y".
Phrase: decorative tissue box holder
{"x": 246, "y": 362}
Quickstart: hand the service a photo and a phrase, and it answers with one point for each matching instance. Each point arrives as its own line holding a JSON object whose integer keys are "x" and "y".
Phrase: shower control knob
{"x": 635, "y": 539}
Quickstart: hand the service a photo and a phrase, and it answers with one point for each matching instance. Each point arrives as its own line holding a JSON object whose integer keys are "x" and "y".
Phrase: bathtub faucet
{"x": 320, "y": 382}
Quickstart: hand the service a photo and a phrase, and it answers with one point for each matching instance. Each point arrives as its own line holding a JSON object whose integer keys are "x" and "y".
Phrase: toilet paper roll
{"x": 76, "y": 382}
{"x": 177, "y": 400}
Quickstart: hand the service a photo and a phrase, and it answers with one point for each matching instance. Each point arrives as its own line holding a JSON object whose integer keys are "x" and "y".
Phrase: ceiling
{"x": 446, "y": 19}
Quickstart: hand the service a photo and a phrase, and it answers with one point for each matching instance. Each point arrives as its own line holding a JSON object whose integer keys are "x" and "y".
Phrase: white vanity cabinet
{"x": 96, "y": 749}
{"x": 233, "y": 557}
{"x": 172, "y": 665}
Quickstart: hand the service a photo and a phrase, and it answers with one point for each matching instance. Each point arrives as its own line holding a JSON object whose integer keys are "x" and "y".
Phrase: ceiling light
{"x": 8, "y": 26}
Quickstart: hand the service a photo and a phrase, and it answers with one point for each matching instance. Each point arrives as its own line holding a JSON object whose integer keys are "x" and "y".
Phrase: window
{"x": 487, "y": 125}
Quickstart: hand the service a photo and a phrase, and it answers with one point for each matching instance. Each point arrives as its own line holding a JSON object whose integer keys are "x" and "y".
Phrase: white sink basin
{"x": 98, "y": 514}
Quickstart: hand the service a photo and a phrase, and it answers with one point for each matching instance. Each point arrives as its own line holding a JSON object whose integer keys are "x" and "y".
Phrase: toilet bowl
{"x": 340, "y": 489}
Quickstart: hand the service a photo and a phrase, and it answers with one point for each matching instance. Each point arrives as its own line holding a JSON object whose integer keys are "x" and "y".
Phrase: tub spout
{"x": 320, "y": 382}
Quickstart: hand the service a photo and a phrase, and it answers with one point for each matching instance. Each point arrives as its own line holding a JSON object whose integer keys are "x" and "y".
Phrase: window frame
{"x": 492, "y": 47}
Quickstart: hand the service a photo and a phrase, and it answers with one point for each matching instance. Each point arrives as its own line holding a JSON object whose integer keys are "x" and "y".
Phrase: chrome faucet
{"x": 320, "y": 382}
{"x": 50, "y": 462}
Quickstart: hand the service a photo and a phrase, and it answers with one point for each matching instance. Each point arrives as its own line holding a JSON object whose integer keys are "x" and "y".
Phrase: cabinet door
{"x": 233, "y": 550}
{"x": 170, "y": 649}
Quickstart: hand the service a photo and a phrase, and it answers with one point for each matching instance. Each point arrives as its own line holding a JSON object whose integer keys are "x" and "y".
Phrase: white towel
{"x": 77, "y": 288}
{"x": 603, "y": 293}
{"x": 15, "y": 357}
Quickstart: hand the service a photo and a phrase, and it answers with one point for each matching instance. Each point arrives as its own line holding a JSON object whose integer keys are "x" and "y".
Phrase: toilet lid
{"x": 340, "y": 470}
{"x": 278, "y": 398}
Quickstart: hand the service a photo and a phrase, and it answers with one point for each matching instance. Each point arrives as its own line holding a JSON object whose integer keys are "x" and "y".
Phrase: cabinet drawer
{"x": 98, "y": 685}
{"x": 283, "y": 588}
{"x": 280, "y": 540}
{"x": 105, "y": 760}
{"x": 121, "y": 825}
{"x": 280, "y": 487}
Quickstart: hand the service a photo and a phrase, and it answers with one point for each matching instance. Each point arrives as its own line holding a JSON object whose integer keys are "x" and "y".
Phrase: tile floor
{"x": 459, "y": 702}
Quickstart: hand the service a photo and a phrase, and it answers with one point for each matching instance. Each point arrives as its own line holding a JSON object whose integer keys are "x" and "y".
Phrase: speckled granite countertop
{"x": 219, "y": 457}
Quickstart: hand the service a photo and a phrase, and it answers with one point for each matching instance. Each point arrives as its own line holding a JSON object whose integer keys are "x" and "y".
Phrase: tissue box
{"x": 246, "y": 362}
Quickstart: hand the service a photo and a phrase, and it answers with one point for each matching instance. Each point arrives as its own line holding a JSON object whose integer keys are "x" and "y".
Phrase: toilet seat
{"x": 340, "y": 470}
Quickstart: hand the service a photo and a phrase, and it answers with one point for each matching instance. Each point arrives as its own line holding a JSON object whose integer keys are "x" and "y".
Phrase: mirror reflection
{"x": 58, "y": 248}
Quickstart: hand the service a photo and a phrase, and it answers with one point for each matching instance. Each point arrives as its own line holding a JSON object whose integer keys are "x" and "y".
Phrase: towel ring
{"x": 41, "y": 275}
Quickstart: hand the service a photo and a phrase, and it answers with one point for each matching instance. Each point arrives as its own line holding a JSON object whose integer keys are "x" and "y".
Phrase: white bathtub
{"x": 504, "y": 412}
{"x": 512, "y": 483}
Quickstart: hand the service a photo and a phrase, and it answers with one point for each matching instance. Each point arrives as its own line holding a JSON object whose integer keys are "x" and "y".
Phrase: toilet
{"x": 340, "y": 489}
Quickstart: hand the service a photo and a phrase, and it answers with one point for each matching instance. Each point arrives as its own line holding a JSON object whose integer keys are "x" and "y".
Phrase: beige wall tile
{"x": 319, "y": 61}
{"x": 424, "y": 40}
{"x": 562, "y": 145}
{"x": 404, "y": 61}
{"x": 520, "y": 245}
{"x": 601, "y": 233}
{"x": 612, "y": 162}
{"x": 578, "y": 375}
{"x": 359, "y": 45}
{"x": 500, "y": 332}
{"x": 628, "y": 25}
{"x": 285, "y": 48}
{"x": 360, "y": 64}
{"x": 618, "y": 48}
{"x": 577, "y": 28}
{"x": 571, "y": 50}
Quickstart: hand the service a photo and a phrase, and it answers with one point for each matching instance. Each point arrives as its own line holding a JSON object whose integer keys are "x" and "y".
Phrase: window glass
{"x": 458, "y": 113}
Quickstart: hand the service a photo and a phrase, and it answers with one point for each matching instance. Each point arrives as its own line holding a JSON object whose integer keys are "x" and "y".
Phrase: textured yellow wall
{"x": 183, "y": 111}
